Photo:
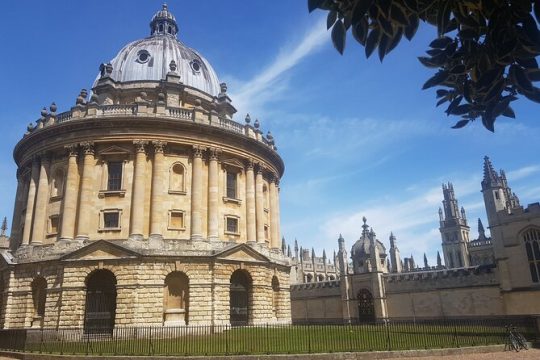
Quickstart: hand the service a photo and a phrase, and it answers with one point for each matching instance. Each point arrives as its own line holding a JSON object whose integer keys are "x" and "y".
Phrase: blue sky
{"x": 359, "y": 138}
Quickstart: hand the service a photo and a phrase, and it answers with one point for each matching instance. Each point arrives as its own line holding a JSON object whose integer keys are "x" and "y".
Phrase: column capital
{"x": 214, "y": 153}
{"x": 140, "y": 145}
{"x": 159, "y": 146}
{"x": 198, "y": 151}
{"x": 44, "y": 157}
{"x": 87, "y": 147}
{"x": 250, "y": 164}
{"x": 72, "y": 150}
{"x": 260, "y": 168}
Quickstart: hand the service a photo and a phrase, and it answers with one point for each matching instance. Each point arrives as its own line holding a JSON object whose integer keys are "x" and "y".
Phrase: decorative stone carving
{"x": 198, "y": 151}
{"x": 87, "y": 147}
{"x": 159, "y": 146}
{"x": 247, "y": 119}
{"x": 140, "y": 145}
{"x": 172, "y": 66}
{"x": 214, "y": 153}
{"x": 72, "y": 149}
{"x": 256, "y": 124}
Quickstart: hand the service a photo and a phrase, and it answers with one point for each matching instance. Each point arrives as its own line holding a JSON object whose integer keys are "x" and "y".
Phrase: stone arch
{"x": 331, "y": 277}
{"x": 309, "y": 278}
{"x": 320, "y": 277}
{"x": 241, "y": 297}
{"x": 531, "y": 239}
{"x": 57, "y": 182}
{"x": 39, "y": 299}
{"x": 366, "y": 307}
{"x": 100, "y": 304}
{"x": 177, "y": 177}
{"x": 176, "y": 299}
{"x": 275, "y": 296}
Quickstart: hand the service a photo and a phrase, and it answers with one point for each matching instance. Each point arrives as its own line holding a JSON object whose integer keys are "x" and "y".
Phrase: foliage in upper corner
{"x": 485, "y": 52}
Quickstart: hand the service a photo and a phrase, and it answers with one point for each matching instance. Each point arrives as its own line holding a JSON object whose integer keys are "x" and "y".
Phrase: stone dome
{"x": 149, "y": 59}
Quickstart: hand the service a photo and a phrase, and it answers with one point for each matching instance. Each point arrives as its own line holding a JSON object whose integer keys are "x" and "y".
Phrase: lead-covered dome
{"x": 149, "y": 59}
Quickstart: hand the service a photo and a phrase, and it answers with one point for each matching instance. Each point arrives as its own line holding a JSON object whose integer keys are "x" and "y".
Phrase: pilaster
{"x": 83, "y": 225}
{"x": 39, "y": 226}
{"x": 31, "y": 198}
{"x": 251, "y": 222}
{"x": 69, "y": 210}
{"x": 196, "y": 194}
{"x": 156, "y": 211}
{"x": 137, "y": 203}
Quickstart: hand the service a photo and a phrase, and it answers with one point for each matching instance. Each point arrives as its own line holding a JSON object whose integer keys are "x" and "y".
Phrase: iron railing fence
{"x": 392, "y": 334}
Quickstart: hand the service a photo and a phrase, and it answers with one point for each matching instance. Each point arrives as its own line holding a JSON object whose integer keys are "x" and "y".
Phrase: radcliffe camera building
{"x": 146, "y": 202}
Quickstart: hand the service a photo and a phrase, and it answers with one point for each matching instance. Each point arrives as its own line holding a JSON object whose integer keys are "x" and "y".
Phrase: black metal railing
{"x": 390, "y": 334}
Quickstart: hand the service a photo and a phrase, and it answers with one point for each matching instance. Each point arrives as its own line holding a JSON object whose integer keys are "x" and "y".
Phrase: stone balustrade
{"x": 81, "y": 112}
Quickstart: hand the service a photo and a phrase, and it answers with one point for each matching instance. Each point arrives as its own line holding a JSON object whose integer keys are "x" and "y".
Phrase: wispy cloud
{"x": 523, "y": 172}
{"x": 266, "y": 84}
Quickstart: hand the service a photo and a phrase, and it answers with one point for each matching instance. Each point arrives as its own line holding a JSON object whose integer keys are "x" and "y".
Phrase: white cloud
{"x": 523, "y": 172}
{"x": 268, "y": 83}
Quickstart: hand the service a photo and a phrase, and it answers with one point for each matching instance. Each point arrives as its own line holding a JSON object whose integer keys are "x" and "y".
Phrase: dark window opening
{"x": 111, "y": 220}
{"x": 232, "y": 225}
{"x": 115, "y": 175}
{"x": 231, "y": 185}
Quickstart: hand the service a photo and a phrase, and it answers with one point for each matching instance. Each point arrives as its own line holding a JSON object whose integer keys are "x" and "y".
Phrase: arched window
{"x": 176, "y": 299}
{"x": 57, "y": 183}
{"x": 265, "y": 196}
{"x": 39, "y": 297}
{"x": 320, "y": 277}
{"x": 309, "y": 278}
{"x": 240, "y": 297}
{"x": 532, "y": 247}
{"x": 100, "y": 309}
{"x": 275, "y": 296}
{"x": 169, "y": 30}
{"x": 160, "y": 27}
{"x": 176, "y": 178}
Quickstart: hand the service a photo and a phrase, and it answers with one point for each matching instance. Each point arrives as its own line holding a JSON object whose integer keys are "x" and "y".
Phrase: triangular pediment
{"x": 114, "y": 150}
{"x": 242, "y": 253}
{"x": 101, "y": 250}
{"x": 233, "y": 162}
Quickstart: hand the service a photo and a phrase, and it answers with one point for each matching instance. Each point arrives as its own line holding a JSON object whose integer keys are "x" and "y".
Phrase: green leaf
{"x": 360, "y": 9}
{"x": 412, "y": 5}
{"x": 458, "y": 69}
{"x": 536, "y": 9}
{"x": 440, "y": 43}
{"x": 395, "y": 41}
{"x": 494, "y": 91}
{"x": 314, "y": 4}
{"x": 398, "y": 15}
{"x": 338, "y": 36}
{"x": 437, "y": 79}
{"x": 359, "y": 32}
{"x": 487, "y": 78}
{"x": 461, "y": 109}
{"x": 386, "y": 26}
{"x": 461, "y": 123}
{"x": 454, "y": 104}
{"x": 372, "y": 41}
{"x": 533, "y": 95}
{"x": 443, "y": 16}
{"x": 383, "y": 43}
{"x": 331, "y": 19}
{"x": 428, "y": 62}
{"x": 468, "y": 34}
{"x": 488, "y": 121}
{"x": 520, "y": 78}
{"x": 509, "y": 112}
{"x": 441, "y": 93}
{"x": 410, "y": 30}
{"x": 533, "y": 74}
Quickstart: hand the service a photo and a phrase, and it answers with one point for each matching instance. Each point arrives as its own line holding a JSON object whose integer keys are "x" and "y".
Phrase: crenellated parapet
{"x": 441, "y": 279}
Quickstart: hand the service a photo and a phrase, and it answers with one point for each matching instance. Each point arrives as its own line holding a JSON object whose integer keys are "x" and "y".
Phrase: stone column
{"x": 85, "y": 212}
{"x": 42, "y": 197}
{"x": 251, "y": 220}
{"x": 213, "y": 192}
{"x": 259, "y": 205}
{"x": 196, "y": 194}
{"x": 137, "y": 200}
{"x": 156, "y": 212}
{"x": 69, "y": 211}
{"x": 30, "y": 201}
{"x": 274, "y": 240}
{"x": 15, "y": 236}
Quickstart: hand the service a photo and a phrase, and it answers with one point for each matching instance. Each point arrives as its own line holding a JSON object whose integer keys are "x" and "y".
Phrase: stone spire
{"x": 439, "y": 260}
{"x": 395, "y": 258}
{"x": 481, "y": 231}
{"x": 283, "y": 245}
{"x": 296, "y": 249}
{"x": 289, "y": 252}
{"x": 491, "y": 178}
{"x": 426, "y": 265}
{"x": 342, "y": 256}
{"x": 4, "y": 227}
{"x": 365, "y": 227}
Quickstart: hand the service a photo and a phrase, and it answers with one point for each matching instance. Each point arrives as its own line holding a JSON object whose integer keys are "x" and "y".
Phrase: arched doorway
{"x": 240, "y": 298}
{"x": 366, "y": 309}
{"x": 176, "y": 299}
{"x": 275, "y": 296}
{"x": 100, "y": 310}
{"x": 39, "y": 297}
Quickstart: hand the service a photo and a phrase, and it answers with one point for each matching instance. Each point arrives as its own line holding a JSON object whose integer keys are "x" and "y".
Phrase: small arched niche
{"x": 275, "y": 296}
{"x": 177, "y": 176}
{"x": 176, "y": 299}
{"x": 57, "y": 183}
{"x": 39, "y": 299}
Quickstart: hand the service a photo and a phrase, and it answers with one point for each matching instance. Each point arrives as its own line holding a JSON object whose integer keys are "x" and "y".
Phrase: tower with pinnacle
{"x": 395, "y": 257}
{"x": 454, "y": 230}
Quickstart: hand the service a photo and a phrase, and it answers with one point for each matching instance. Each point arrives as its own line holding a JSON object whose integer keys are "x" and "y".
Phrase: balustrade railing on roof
{"x": 65, "y": 116}
{"x": 180, "y": 113}
{"x": 231, "y": 125}
{"x": 118, "y": 109}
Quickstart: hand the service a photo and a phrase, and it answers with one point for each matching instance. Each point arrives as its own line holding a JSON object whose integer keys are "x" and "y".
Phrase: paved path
{"x": 500, "y": 355}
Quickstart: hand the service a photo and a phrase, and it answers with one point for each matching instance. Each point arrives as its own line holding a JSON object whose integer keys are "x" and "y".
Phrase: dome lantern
{"x": 163, "y": 23}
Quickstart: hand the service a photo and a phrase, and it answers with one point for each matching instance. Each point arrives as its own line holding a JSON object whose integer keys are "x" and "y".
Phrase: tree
{"x": 485, "y": 52}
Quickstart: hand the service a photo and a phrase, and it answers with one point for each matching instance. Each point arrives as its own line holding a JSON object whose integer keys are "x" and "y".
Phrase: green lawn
{"x": 269, "y": 339}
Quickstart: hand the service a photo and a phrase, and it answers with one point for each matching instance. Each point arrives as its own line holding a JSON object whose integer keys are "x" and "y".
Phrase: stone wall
{"x": 140, "y": 291}
{"x": 316, "y": 301}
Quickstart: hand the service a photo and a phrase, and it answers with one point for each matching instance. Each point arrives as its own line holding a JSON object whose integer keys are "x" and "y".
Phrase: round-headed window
{"x": 143, "y": 56}
{"x": 196, "y": 65}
